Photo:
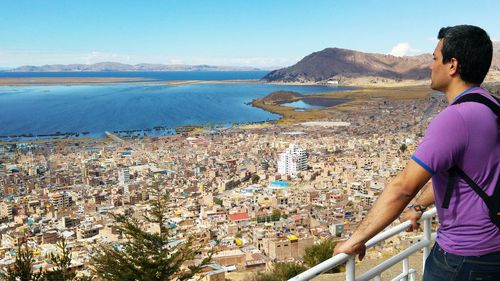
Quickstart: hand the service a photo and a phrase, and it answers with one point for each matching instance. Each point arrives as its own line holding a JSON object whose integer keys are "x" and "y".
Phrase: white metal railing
{"x": 375, "y": 272}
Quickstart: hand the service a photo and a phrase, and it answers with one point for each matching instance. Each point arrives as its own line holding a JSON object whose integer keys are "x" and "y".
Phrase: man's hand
{"x": 350, "y": 249}
{"x": 410, "y": 214}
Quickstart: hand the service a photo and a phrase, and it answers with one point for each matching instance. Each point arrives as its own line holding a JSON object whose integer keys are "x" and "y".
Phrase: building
{"x": 292, "y": 160}
{"x": 87, "y": 231}
{"x": 60, "y": 199}
{"x": 6, "y": 211}
{"x": 230, "y": 257}
{"x": 290, "y": 247}
{"x": 67, "y": 223}
{"x": 124, "y": 179}
{"x": 240, "y": 219}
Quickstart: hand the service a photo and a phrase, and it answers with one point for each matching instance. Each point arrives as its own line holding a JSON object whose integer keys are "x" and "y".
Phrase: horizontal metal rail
{"x": 412, "y": 273}
{"x": 374, "y": 272}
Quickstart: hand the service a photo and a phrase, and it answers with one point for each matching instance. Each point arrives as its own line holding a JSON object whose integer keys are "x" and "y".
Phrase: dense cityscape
{"x": 264, "y": 193}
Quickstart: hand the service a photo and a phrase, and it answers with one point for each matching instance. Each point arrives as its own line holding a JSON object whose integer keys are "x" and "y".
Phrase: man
{"x": 464, "y": 135}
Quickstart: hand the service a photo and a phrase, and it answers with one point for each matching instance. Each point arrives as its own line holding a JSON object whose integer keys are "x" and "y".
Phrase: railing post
{"x": 375, "y": 272}
{"x": 426, "y": 237}
{"x": 350, "y": 272}
{"x": 406, "y": 268}
{"x": 413, "y": 275}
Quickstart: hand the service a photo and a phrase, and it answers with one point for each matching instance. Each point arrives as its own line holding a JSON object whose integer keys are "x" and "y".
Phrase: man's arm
{"x": 397, "y": 194}
{"x": 426, "y": 198}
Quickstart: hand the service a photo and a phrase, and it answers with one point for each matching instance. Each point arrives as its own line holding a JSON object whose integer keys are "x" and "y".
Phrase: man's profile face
{"x": 439, "y": 74}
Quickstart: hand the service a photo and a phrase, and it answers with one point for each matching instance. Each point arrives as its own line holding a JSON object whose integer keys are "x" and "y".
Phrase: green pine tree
{"x": 22, "y": 270}
{"x": 149, "y": 256}
{"x": 62, "y": 263}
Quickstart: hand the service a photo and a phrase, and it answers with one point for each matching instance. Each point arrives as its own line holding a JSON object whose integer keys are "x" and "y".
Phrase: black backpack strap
{"x": 449, "y": 187}
{"x": 475, "y": 187}
{"x": 474, "y": 97}
{"x": 453, "y": 172}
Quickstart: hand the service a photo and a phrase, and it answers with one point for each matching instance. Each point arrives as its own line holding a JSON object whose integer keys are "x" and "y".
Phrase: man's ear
{"x": 453, "y": 66}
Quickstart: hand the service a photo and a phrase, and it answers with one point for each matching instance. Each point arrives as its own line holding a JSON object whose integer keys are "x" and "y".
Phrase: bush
{"x": 282, "y": 271}
{"x": 319, "y": 253}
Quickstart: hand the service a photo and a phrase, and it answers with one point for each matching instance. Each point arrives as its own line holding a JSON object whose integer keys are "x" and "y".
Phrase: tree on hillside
{"x": 22, "y": 270}
{"x": 319, "y": 253}
{"x": 255, "y": 178}
{"x": 61, "y": 262}
{"x": 403, "y": 148}
{"x": 276, "y": 215}
{"x": 218, "y": 201}
{"x": 23, "y": 266}
{"x": 149, "y": 256}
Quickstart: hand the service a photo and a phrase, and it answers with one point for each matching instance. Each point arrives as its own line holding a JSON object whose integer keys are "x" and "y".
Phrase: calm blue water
{"x": 113, "y": 107}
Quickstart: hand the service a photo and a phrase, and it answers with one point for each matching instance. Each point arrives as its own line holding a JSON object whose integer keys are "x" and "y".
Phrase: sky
{"x": 257, "y": 33}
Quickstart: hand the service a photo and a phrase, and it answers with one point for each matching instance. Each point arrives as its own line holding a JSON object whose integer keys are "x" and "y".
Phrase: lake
{"x": 93, "y": 109}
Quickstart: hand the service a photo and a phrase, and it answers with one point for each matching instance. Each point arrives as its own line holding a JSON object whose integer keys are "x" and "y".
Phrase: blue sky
{"x": 261, "y": 33}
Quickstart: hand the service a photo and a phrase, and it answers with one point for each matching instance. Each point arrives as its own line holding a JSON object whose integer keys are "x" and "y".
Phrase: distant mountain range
{"x": 334, "y": 64}
{"x": 115, "y": 66}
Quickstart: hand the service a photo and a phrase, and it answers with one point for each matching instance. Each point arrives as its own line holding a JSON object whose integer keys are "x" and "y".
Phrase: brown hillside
{"x": 334, "y": 63}
{"x": 339, "y": 64}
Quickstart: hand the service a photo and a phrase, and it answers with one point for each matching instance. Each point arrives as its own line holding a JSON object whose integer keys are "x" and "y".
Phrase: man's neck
{"x": 455, "y": 89}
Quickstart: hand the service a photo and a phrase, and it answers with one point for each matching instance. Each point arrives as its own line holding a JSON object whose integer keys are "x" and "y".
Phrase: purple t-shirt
{"x": 465, "y": 134}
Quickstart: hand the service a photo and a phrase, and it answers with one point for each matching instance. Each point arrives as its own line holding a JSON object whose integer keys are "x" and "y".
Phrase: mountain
{"x": 343, "y": 64}
{"x": 115, "y": 66}
{"x": 336, "y": 64}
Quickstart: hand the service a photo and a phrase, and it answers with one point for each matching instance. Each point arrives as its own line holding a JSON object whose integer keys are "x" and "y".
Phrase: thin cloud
{"x": 404, "y": 49}
{"x": 95, "y": 57}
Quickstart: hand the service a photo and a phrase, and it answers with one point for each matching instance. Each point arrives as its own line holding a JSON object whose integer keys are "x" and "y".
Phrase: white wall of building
{"x": 292, "y": 160}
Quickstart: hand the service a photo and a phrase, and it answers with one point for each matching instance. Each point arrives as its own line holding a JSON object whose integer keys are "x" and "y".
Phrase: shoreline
{"x": 136, "y": 133}
{"x": 66, "y": 81}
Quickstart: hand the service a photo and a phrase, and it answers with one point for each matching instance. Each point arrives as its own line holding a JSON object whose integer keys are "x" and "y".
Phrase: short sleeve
{"x": 444, "y": 142}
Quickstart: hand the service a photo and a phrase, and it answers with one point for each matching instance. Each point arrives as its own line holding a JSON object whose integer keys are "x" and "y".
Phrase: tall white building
{"x": 292, "y": 160}
{"x": 124, "y": 178}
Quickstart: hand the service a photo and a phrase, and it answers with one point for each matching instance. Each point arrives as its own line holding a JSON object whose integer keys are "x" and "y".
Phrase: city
{"x": 264, "y": 193}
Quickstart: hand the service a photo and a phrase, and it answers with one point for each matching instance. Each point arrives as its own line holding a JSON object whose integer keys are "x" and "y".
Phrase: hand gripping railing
{"x": 376, "y": 271}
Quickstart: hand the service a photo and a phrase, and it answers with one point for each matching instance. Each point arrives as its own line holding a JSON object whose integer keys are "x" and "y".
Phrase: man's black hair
{"x": 471, "y": 47}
